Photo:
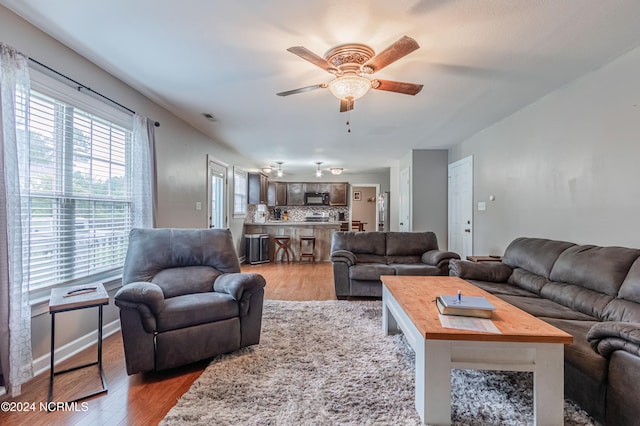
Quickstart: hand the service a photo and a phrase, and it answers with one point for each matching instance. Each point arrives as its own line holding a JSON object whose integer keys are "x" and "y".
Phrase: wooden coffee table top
{"x": 417, "y": 295}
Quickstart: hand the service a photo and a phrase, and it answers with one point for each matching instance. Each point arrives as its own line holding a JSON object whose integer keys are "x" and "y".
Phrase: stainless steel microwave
{"x": 316, "y": 198}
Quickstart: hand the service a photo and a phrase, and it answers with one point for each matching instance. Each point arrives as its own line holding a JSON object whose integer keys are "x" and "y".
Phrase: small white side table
{"x": 64, "y": 299}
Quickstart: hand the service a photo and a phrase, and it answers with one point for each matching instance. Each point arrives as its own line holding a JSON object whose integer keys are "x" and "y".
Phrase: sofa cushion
{"x": 496, "y": 272}
{"x": 370, "y": 258}
{"x": 370, "y": 271}
{"x": 621, "y": 310}
{"x": 410, "y": 243}
{"x": 580, "y": 354}
{"x": 416, "y": 269}
{"x": 197, "y": 308}
{"x": 630, "y": 288}
{"x": 601, "y": 269}
{"x": 527, "y": 280}
{"x": 502, "y": 288}
{"x": 186, "y": 280}
{"x": 540, "y": 307}
{"x": 536, "y": 255}
{"x": 407, "y": 260}
{"x": 360, "y": 242}
{"x": 579, "y": 298}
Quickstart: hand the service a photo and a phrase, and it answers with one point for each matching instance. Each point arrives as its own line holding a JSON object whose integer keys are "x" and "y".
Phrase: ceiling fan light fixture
{"x": 350, "y": 87}
{"x": 336, "y": 170}
{"x": 267, "y": 169}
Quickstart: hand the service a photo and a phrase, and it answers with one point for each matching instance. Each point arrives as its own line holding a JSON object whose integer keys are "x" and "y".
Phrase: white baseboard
{"x": 43, "y": 363}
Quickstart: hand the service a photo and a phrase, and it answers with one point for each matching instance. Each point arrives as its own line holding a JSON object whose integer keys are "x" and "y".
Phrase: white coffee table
{"x": 524, "y": 344}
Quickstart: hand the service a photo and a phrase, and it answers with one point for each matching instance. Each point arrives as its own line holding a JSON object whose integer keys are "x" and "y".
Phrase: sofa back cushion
{"x": 536, "y": 255}
{"x": 601, "y": 269}
{"x": 406, "y": 260}
{"x": 186, "y": 280}
{"x": 410, "y": 243}
{"x": 626, "y": 307}
{"x": 153, "y": 250}
{"x": 630, "y": 288}
{"x": 528, "y": 280}
{"x": 576, "y": 297}
{"x": 373, "y": 243}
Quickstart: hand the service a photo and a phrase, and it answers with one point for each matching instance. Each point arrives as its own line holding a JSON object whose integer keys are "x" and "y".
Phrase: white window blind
{"x": 240, "y": 188}
{"x": 79, "y": 192}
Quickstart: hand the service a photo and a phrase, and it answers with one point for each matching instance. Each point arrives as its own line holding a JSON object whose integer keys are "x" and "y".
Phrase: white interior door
{"x": 217, "y": 195}
{"x": 405, "y": 200}
{"x": 461, "y": 207}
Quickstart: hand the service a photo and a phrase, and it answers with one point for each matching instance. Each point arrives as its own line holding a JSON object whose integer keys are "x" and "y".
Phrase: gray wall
{"x": 564, "y": 167}
{"x": 181, "y": 154}
{"x": 429, "y": 188}
{"x": 428, "y": 192}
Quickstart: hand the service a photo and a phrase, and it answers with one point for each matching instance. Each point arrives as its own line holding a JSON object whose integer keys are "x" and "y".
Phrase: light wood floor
{"x": 144, "y": 399}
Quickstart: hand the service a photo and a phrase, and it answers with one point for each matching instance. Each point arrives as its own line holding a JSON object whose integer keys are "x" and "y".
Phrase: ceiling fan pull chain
{"x": 348, "y": 122}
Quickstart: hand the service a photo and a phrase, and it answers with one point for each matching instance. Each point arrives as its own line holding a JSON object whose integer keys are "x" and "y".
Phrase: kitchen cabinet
{"x": 317, "y": 187}
{"x": 338, "y": 194}
{"x": 277, "y": 194}
{"x": 295, "y": 194}
{"x": 258, "y": 188}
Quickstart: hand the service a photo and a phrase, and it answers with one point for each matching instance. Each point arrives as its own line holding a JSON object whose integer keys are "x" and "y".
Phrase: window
{"x": 239, "y": 192}
{"x": 79, "y": 189}
{"x": 217, "y": 195}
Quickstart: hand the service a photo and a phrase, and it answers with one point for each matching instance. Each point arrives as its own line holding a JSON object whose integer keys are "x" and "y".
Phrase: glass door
{"x": 217, "y": 195}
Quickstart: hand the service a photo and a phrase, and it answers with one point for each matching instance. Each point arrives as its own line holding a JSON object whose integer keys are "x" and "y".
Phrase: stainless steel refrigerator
{"x": 383, "y": 211}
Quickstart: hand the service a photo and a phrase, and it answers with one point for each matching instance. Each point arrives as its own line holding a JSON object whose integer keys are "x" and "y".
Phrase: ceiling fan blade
{"x": 316, "y": 60}
{"x": 303, "y": 89}
{"x": 396, "y": 86}
{"x": 397, "y": 50}
{"x": 346, "y": 104}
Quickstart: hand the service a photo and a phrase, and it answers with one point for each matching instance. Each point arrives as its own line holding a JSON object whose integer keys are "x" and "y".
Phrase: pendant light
{"x": 318, "y": 171}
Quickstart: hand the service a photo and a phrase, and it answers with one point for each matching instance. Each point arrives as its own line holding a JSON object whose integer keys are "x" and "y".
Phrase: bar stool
{"x": 283, "y": 243}
{"x": 311, "y": 241}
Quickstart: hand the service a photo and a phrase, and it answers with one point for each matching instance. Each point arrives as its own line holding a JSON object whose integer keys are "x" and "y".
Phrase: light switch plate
{"x": 198, "y": 205}
{"x": 482, "y": 206}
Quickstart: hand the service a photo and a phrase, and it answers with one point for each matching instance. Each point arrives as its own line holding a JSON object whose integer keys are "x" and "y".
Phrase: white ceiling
{"x": 479, "y": 61}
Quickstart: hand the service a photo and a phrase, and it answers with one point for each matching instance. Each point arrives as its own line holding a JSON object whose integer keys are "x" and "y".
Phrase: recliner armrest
{"x": 344, "y": 256}
{"x": 236, "y": 283}
{"x": 495, "y": 272}
{"x": 609, "y": 336}
{"x": 146, "y": 293}
{"x": 434, "y": 257}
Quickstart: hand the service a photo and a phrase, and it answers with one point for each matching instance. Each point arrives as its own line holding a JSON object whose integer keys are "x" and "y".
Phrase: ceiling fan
{"x": 352, "y": 64}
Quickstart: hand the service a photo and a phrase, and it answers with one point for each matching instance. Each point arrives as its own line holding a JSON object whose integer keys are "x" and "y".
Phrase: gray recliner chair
{"x": 184, "y": 299}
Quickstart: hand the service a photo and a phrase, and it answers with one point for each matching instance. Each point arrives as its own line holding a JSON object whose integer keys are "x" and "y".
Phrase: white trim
{"x": 43, "y": 363}
{"x": 62, "y": 91}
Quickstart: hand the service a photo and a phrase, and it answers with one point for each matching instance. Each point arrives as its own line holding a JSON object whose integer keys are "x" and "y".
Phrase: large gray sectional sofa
{"x": 360, "y": 258}
{"x": 591, "y": 292}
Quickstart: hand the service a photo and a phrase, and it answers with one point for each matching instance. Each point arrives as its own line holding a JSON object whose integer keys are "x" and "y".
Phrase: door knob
{"x": 467, "y": 230}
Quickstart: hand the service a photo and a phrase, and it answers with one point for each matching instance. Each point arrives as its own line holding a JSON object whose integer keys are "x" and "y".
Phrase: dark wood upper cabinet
{"x": 258, "y": 188}
{"x": 277, "y": 194}
{"x": 338, "y": 194}
{"x": 295, "y": 194}
{"x": 317, "y": 187}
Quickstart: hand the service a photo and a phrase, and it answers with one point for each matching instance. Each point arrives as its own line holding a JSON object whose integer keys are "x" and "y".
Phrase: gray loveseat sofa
{"x": 591, "y": 292}
{"x": 184, "y": 299}
{"x": 360, "y": 258}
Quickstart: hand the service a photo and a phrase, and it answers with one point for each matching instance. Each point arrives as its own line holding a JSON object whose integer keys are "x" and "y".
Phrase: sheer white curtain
{"x": 143, "y": 173}
{"x": 15, "y": 313}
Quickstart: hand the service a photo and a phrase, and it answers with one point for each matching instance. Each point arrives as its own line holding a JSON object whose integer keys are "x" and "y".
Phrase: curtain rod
{"x": 82, "y": 86}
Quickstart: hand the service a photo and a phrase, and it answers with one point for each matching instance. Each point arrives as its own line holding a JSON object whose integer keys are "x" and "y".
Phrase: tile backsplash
{"x": 298, "y": 213}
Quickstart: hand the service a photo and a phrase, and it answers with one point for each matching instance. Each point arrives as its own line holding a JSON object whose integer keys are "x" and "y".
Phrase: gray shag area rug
{"x": 329, "y": 363}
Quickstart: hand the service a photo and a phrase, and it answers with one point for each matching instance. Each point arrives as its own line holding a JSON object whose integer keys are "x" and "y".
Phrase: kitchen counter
{"x": 292, "y": 223}
{"x": 323, "y": 231}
